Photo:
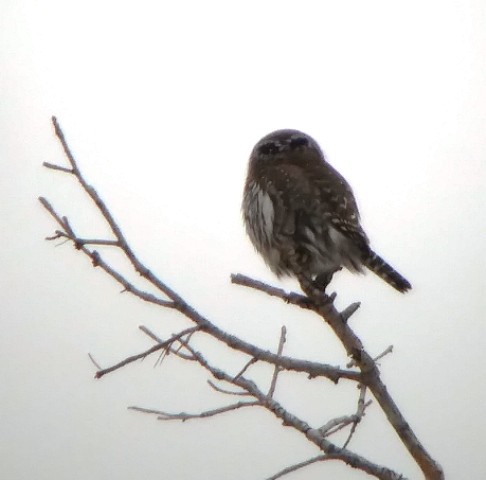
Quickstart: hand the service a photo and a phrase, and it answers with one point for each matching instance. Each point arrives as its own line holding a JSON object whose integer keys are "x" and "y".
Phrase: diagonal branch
{"x": 370, "y": 377}
{"x": 314, "y": 369}
{"x": 350, "y": 458}
{"x": 97, "y": 261}
{"x": 137, "y": 264}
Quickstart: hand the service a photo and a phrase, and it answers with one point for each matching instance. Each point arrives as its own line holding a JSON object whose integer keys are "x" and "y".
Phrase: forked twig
{"x": 142, "y": 355}
{"x": 359, "y": 413}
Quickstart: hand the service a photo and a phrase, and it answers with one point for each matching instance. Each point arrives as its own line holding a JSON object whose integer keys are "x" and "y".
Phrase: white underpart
{"x": 260, "y": 223}
{"x": 265, "y": 207}
{"x": 338, "y": 239}
{"x": 260, "y": 211}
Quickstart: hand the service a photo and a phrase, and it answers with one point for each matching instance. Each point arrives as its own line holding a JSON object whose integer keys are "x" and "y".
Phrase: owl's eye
{"x": 298, "y": 142}
{"x": 268, "y": 148}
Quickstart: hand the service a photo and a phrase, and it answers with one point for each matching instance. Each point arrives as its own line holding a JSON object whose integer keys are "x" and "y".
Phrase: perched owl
{"x": 301, "y": 215}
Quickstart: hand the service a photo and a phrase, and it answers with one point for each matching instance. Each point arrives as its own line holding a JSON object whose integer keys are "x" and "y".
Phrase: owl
{"x": 301, "y": 214}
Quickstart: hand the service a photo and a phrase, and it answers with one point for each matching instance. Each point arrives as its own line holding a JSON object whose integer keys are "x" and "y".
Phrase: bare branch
{"x": 144, "y": 354}
{"x": 298, "y": 466}
{"x": 100, "y": 204}
{"x": 371, "y": 378}
{"x": 349, "y": 310}
{"x": 175, "y": 351}
{"x": 151, "y": 334}
{"x": 248, "y": 364}
{"x": 314, "y": 369}
{"x": 336, "y": 424}
{"x": 223, "y": 390}
{"x": 359, "y": 413}
{"x": 323, "y": 306}
{"x": 95, "y": 363}
{"x": 45, "y": 203}
{"x": 96, "y": 241}
{"x": 277, "y": 369}
{"x": 189, "y": 416}
{"x": 288, "y": 419}
{"x": 57, "y": 167}
{"x": 97, "y": 261}
{"x": 330, "y": 427}
{"x": 291, "y": 297}
{"x": 388, "y": 350}
{"x": 83, "y": 241}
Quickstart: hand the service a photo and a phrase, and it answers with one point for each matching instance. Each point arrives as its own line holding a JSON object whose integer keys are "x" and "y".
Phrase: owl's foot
{"x": 315, "y": 292}
{"x": 324, "y": 279}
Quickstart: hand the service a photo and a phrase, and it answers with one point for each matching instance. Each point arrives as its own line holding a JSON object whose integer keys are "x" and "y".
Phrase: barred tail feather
{"x": 378, "y": 266}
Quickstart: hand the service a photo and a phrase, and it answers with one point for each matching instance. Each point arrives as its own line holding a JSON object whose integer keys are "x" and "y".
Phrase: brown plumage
{"x": 301, "y": 214}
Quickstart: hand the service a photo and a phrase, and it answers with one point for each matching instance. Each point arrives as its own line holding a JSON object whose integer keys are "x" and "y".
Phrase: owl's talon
{"x": 324, "y": 279}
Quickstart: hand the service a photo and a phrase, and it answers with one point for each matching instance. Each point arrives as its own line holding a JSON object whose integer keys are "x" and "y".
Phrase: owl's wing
{"x": 304, "y": 198}
{"x": 342, "y": 209}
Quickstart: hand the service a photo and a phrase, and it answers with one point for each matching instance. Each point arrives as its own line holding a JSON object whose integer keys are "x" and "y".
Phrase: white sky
{"x": 162, "y": 103}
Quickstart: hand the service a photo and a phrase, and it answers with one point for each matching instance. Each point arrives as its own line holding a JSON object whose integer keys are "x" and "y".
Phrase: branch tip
{"x": 349, "y": 310}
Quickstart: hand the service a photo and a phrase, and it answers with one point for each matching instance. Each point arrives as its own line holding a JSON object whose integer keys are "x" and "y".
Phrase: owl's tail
{"x": 378, "y": 266}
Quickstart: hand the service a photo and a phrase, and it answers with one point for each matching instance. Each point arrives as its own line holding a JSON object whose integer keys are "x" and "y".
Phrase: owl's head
{"x": 286, "y": 146}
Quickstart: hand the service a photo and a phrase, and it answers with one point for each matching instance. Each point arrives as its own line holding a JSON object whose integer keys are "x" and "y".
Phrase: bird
{"x": 302, "y": 217}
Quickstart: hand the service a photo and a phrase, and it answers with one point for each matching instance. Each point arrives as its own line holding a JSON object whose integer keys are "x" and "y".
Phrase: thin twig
{"x": 338, "y": 423}
{"x": 83, "y": 241}
{"x": 52, "y": 166}
{"x": 359, "y": 413}
{"x": 227, "y": 392}
{"x": 248, "y": 364}
{"x": 277, "y": 369}
{"x": 297, "y": 466}
{"x": 189, "y": 416}
{"x": 95, "y": 363}
{"x": 137, "y": 264}
{"x": 151, "y": 334}
{"x": 387, "y": 350}
{"x": 349, "y": 310}
{"x": 97, "y": 261}
{"x": 291, "y": 297}
{"x": 144, "y": 354}
{"x": 176, "y": 351}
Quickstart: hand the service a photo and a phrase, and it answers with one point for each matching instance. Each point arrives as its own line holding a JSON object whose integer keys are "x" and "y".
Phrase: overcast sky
{"x": 162, "y": 103}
